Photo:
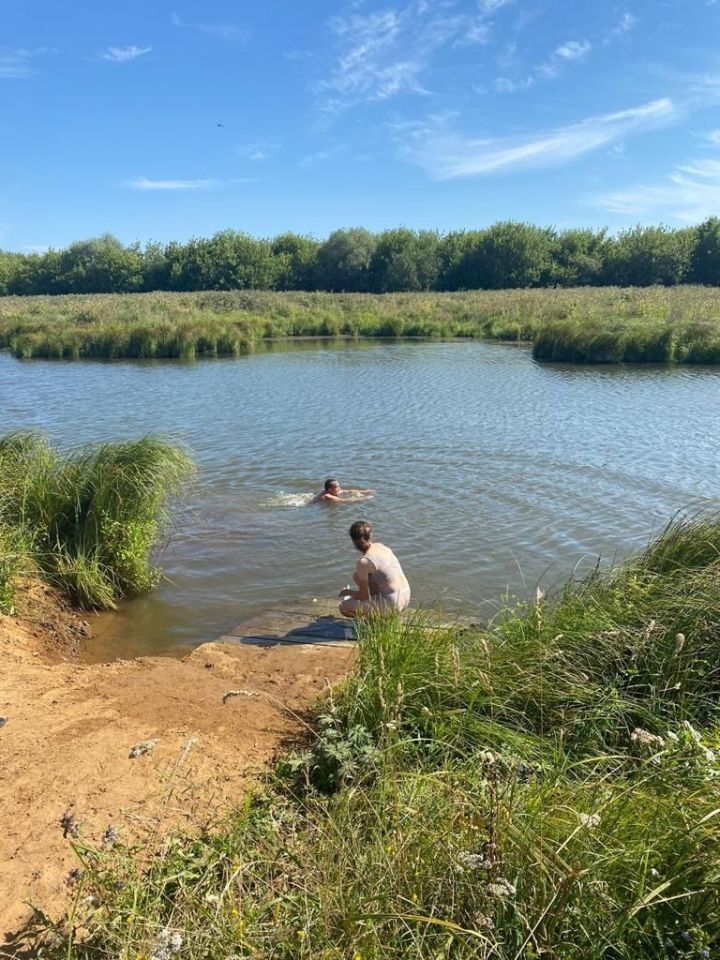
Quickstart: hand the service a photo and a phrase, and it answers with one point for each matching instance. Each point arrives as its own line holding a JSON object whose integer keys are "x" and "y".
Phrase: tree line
{"x": 505, "y": 255}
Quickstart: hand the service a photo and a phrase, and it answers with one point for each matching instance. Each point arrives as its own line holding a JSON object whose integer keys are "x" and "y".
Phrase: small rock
{"x": 141, "y": 748}
{"x": 3, "y": 721}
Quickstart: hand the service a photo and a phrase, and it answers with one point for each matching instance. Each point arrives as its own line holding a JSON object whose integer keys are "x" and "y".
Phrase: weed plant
{"x": 585, "y": 324}
{"x": 545, "y": 786}
{"x": 87, "y": 520}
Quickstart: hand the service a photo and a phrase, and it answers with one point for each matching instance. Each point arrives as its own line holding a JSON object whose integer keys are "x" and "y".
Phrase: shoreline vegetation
{"x": 505, "y": 255}
{"x": 545, "y": 786}
{"x": 585, "y": 324}
{"x": 85, "y": 521}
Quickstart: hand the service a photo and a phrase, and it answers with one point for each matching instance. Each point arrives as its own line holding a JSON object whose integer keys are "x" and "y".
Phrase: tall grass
{"x": 87, "y": 520}
{"x": 593, "y": 325}
{"x": 545, "y": 787}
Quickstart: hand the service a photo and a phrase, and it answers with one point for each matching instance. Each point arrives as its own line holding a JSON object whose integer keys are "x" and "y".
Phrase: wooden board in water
{"x": 315, "y": 623}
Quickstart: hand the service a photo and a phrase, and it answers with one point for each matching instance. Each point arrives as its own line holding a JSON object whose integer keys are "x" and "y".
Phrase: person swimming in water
{"x": 382, "y": 587}
{"x": 332, "y": 492}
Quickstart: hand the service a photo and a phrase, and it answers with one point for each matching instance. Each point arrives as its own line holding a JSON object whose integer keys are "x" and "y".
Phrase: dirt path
{"x": 70, "y": 728}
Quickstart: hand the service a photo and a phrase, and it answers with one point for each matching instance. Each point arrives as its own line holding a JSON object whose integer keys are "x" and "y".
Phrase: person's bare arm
{"x": 362, "y": 572}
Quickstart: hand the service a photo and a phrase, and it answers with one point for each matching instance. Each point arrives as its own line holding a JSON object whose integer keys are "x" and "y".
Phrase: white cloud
{"x": 477, "y": 32}
{"x": 144, "y": 183}
{"x": 256, "y": 149}
{"x": 626, "y": 23}
{"x": 367, "y": 68}
{"x": 573, "y": 50}
{"x": 312, "y": 158}
{"x": 124, "y": 54}
{"x": 491, "y": 6}
{"x": 505, "y": 85}
{"x": 566, "y": 52}
{"x": 689, "y": 194}
{"x": 225, "y": 31}
{"x": 446, "y": 155}
{"x": 383, "y": 53}
{"x": 15, "y": 62}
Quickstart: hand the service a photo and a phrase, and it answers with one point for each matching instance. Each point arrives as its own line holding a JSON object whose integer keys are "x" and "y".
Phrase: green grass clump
{"x": 87, "y": 520}
{"x": 585, "y": 324}
{"x": 544, "y": 786}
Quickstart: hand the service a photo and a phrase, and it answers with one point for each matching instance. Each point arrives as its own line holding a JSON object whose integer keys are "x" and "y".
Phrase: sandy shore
{"x": 70, "y": 727}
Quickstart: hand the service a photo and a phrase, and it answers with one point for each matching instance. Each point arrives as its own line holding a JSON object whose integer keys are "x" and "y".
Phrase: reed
{"x": 86, "y": 520}
{"x": 546, "y": 786}
{"x": 588, "y": 324}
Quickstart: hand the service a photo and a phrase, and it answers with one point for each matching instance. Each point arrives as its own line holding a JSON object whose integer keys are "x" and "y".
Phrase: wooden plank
{"x": 313, "y": 624}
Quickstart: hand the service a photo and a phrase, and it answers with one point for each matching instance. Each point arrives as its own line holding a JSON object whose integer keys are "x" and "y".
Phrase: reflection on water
{"x": 492, "y": 472}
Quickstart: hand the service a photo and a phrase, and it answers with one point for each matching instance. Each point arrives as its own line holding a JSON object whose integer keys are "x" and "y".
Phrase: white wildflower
{"x": 670, "y": 735}
{"x": 679, "y": 642}
{"x": 501, "y": 888}
{"x": 643, "y": 738}
{"x": 168, "y": 943}
{"x": 471, "y": 861}
{"x": 590, "y": 820}
{"x": 692, "y": 731}
{"x": 487, "y": 756}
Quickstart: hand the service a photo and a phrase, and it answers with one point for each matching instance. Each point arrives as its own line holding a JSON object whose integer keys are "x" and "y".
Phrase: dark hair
{"x": 361, "y": 533}
{"x": 330, "y": 482}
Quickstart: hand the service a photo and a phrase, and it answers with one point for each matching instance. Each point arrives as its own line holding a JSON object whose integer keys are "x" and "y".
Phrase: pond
{"x": 493, "y": 473}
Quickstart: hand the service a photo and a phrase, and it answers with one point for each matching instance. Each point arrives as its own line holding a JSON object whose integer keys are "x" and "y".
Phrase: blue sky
{"x": 163, "y": 121}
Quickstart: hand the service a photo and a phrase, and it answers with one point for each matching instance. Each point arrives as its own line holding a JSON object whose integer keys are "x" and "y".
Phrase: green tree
{"x": 99, "y": 265}
{"x": 405, "y": 260}
{"x": 578, "y": 257}
{"x": 705, "y": 266}
{"x": 10, "y": 263}
{"x": 155, "y": 267}
{"x": 344, "y": 259}
{"x": 296, "y": 258}
{"x": 511, "y": 254}
{"x": 643, "y": 256}
{"x": 457, "y": 255}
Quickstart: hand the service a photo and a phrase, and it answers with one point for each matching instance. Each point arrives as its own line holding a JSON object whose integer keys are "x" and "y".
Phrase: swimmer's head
{"x": 332, "y": 485}
{"x": 361, "y": 535}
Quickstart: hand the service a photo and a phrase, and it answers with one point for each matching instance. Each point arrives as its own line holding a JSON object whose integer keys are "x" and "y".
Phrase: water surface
{"x": 492, "y": 472}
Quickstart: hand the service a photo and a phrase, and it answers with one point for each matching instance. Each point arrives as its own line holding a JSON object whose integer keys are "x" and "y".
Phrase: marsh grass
{"x": 89, "y": 519}
{"x": 588, "y": 324}
{"x": 547, "y": 786}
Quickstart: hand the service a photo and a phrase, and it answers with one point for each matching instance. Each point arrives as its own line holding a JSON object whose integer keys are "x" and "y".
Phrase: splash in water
{"x": 283, "y": 499}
